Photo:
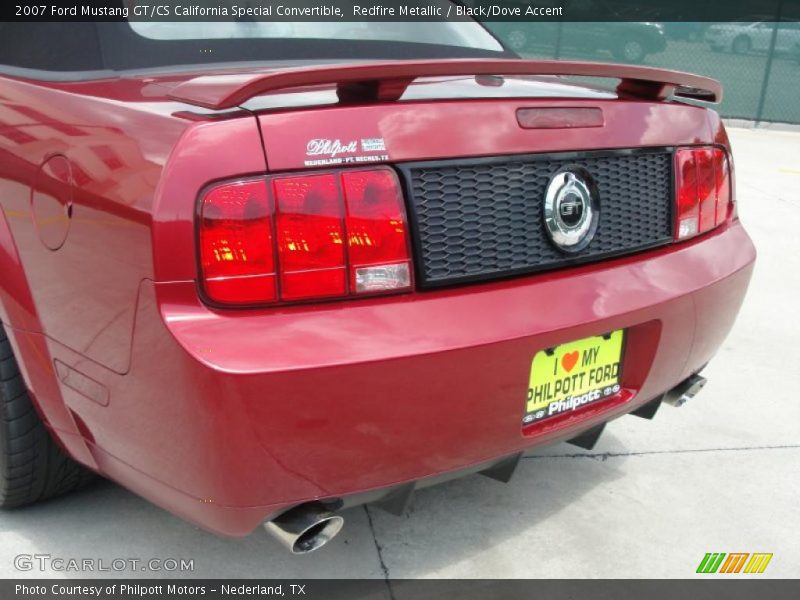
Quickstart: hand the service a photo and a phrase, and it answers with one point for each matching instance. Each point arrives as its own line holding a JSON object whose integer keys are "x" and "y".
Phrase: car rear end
{"x": 369, "y": 276}
{"x": 381, "y": 305}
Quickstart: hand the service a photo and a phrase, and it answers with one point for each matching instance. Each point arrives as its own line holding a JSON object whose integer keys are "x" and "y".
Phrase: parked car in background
{"x": 629, "y": 42}
{"x": 741, "y": 38}
{"x": 689, "y": 31}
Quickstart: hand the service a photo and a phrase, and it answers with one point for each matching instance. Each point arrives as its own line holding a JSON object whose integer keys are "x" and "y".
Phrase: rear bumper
{"x": 228, "y": 418}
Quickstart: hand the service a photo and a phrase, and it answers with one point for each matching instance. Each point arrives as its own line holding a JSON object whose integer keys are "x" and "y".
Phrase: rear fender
{"x": 207, "y": 152}
{"x": 17, "y": 309}
{"x": 21, "y": 322}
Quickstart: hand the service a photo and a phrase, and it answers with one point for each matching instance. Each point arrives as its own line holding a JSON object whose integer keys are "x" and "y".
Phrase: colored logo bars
{"x": 735, "y": 562}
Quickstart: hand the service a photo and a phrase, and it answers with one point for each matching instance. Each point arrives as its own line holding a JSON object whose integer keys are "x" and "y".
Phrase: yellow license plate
{"x": 574, "y": 375}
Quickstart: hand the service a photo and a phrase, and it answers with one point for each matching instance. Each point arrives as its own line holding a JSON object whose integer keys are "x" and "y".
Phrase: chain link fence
{"x": 757, "y": 60}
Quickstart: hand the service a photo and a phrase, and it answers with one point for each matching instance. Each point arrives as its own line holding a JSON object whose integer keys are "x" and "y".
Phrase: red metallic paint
{"x": 228, "y": 417}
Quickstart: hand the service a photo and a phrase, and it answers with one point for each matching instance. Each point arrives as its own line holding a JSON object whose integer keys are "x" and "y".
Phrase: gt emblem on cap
{"x": 571, "y": 209}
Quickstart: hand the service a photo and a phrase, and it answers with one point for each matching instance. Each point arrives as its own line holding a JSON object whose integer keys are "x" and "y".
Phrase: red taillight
{"x": 702, "y": 190}
{"x": 335, "y": 234}
{"x": 687, "y": 208}
{"x": 236, "y": 244}
{"x": 723, "y": 175}
{"x": 310, "y": 233}
{"x": 706, "y": 188}
{"x": 376, "y": 231}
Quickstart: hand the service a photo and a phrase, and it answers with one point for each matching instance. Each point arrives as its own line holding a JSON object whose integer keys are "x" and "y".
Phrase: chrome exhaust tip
{"x": 305, "y": 528}
{"x": 685, "y": 391}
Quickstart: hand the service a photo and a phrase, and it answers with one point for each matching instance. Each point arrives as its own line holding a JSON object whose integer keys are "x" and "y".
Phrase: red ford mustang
{"x": 260, "y": 290}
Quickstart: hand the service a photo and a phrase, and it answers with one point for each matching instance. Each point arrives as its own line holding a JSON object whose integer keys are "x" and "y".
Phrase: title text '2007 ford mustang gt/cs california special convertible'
{"x": 260, "y": 290}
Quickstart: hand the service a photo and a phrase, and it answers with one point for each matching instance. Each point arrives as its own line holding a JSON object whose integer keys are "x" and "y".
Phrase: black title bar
{"x": 399, "y": 10}
{"x": 378, "y": 589}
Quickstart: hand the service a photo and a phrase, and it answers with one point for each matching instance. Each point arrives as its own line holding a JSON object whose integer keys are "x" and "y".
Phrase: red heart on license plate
{"x": 568, "y": 361}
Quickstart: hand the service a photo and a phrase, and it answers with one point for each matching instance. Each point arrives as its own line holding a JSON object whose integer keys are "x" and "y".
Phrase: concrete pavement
{"x": 718, "y": 475}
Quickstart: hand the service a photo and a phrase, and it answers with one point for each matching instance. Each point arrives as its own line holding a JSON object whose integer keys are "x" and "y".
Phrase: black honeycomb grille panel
{"x": 482, "y": 219}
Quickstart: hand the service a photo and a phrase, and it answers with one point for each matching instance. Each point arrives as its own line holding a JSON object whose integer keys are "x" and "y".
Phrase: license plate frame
{"x": 565, "y": 379}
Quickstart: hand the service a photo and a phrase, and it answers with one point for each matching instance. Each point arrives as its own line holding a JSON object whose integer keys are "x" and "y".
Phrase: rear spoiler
{"x": 385, "y": 81}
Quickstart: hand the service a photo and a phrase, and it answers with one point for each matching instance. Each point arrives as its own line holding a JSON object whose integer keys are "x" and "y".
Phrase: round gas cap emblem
{"x": 571, "y": 209}
{"x": 51, "y": 201}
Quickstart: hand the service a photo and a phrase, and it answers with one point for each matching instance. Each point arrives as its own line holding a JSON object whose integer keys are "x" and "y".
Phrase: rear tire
{"x": 32, "y": 466}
